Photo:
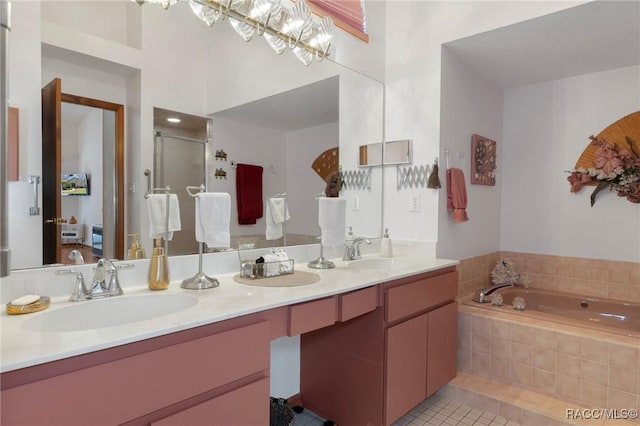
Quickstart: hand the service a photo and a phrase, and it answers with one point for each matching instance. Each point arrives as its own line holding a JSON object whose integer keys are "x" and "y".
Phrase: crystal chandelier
{"x": 282, "y": 27}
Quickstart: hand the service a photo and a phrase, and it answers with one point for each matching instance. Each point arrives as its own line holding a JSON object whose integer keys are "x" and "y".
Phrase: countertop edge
{"x": 13, "y": 335}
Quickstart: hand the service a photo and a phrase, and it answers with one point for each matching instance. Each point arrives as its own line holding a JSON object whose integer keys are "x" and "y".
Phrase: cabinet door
{"x": 406, "y": 367}
{"x": 441, "y": 346}
{"x": 246, "y": 406}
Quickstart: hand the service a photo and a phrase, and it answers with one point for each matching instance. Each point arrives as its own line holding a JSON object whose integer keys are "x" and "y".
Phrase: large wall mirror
{"x": 279, "y": 115}
{"x": 284, "y": 133}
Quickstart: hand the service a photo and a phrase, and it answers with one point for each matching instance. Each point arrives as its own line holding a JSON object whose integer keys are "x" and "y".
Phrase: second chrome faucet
{"x": 352, "y": 248}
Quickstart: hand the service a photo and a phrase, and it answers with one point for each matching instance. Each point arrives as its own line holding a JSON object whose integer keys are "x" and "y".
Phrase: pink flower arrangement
{"x": 615, "y": 168}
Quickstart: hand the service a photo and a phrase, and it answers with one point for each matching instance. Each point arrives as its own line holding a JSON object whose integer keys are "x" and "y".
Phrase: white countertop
{"x": 21, "y": 348}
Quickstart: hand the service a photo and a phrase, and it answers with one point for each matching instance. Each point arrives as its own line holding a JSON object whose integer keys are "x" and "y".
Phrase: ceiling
{"x": 307, "y": 106}
{"x": 588, "y": 38}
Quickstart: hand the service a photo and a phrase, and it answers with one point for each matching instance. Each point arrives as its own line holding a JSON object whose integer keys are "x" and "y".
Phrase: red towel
{"x": 456, "y": 195}
{"x": 249, "y": 193}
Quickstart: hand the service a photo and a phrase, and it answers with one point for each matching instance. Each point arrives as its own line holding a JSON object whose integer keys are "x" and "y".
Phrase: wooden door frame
{"x": 51, "y": 198}
{"x": 119, "y": 161}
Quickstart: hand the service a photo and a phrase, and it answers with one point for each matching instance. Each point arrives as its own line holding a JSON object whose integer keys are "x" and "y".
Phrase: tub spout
{"x": 484, "y": 295}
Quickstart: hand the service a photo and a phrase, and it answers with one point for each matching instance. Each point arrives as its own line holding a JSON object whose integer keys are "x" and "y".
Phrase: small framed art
{"x": 483, "y": 160}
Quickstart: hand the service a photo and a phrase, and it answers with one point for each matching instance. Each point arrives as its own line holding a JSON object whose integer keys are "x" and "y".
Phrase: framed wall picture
{"x": 483, "y": 160}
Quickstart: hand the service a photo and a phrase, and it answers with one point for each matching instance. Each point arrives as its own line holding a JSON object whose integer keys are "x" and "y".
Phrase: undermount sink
{"x": 108, "y": 312}
{"x": 378, "y": 263}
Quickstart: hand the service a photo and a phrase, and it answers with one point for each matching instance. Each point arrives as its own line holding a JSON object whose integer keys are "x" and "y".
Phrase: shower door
{"x": 180, "y": 162}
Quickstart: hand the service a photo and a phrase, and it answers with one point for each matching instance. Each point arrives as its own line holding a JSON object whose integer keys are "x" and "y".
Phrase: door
{"x": 442, "y": 347}
{"x": 51, "y": 149}
{"x": 406, "y": 367}
{"x": 180, "y": 162}
{"x": 112, "y": 186}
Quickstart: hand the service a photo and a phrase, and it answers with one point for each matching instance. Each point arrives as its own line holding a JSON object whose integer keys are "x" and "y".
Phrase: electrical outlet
{"x": 356, "y": 204}
{"x": 415, "y": 203}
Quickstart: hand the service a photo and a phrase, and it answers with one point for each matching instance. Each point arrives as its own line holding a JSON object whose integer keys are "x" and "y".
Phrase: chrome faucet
{"x": 352, "y": 248}
{"x": 484, "y": 295}
{"x": 76, "y": 255}
{"x": 105, "y": 280}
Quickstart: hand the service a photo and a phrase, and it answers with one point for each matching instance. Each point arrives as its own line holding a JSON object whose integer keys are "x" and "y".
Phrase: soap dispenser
{"x": 385, "y": 245}
{"x": 349, "y": 237}
{"x": 136, "y": 251}
{"x": 158, "y": 278}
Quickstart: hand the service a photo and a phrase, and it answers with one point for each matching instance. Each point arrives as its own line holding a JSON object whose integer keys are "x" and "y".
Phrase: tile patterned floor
{"x": 433, "y": 411}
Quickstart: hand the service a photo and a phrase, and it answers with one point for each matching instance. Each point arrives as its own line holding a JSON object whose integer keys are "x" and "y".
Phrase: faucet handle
{"x": 114, "y": 283}
{"x": 80, "y": 291}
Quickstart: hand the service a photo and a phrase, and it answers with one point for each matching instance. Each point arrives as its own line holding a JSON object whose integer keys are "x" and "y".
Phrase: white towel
{"x": 331, "y": 218}
{"x": 277, "y": 214}
{"x": 157, "y": 207}
{"x": 213, "y": 216}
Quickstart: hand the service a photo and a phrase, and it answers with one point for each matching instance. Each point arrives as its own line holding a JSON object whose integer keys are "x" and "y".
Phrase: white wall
{"x": 470, "y": 104}
{"x": 25, "y": 232}
{"x": 70, "y": 163}
{"x": 82, "y": 153}
{"x": 361, "y": 118}
{"x": 88, "y": 17}
{"x": 546, "y": 128}
{"x": 90, "y": 162}
{"x": 412, "y": 83}
{"x": 248, "y": 144}
{"x": 302, "y": 147}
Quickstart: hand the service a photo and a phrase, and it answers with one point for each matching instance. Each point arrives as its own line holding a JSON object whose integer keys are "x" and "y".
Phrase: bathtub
{"x": 601, "y": 314}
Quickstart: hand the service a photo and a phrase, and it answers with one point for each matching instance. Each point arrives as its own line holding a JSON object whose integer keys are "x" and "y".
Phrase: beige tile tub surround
{"x": 474, "y": 273}
{"x": 575, "y": 366}
{"x": 594, "y": 277}
{"x": 559, "y": 365}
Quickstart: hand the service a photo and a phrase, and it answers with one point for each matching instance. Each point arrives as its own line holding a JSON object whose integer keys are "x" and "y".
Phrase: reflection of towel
{"x": 277, "y": 214}
{"x": 213, "y": 216}
{"x": 331, "y": 218}
{"x": 456, "y": 195}
{"x": 157, "y": 206}
{"x": 249, "y": 193}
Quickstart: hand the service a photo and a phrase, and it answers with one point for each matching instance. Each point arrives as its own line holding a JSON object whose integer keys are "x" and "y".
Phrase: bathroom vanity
{"x": 373, "y": 345}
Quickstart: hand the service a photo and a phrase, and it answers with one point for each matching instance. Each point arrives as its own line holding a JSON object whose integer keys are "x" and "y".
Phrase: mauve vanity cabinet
{"x": 367, "y": 357}
{"x": 216, "y": 375}
{"x": 374, "y": 368}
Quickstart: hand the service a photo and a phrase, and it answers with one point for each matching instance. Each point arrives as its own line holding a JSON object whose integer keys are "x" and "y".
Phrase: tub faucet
{"x": 484, "y": 295}
{"x": 352, "y": 248}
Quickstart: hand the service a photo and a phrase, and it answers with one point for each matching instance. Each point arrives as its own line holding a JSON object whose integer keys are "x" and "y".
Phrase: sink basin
{"x": 378, "y": 263}
{"x": 108, "y": 312}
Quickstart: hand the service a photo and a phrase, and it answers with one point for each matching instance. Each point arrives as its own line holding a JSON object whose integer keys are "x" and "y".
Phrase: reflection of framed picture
{"x": 483, "y": 160}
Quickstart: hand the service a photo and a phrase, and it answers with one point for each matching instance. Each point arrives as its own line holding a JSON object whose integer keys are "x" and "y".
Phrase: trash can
{"x": 281, "y": 414}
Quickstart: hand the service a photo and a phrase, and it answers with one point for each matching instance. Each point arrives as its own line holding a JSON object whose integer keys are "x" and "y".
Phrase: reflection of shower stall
{"x": 178, "y": 162}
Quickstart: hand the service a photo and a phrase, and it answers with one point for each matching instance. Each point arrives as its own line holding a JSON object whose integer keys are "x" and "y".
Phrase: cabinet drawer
{"x": 310, "y": 316}
{"x": 357, "y": 303}
{"x": 142, "y": 383}
{"x": 245, "y": 406}
{"x": 411, "y": 298}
